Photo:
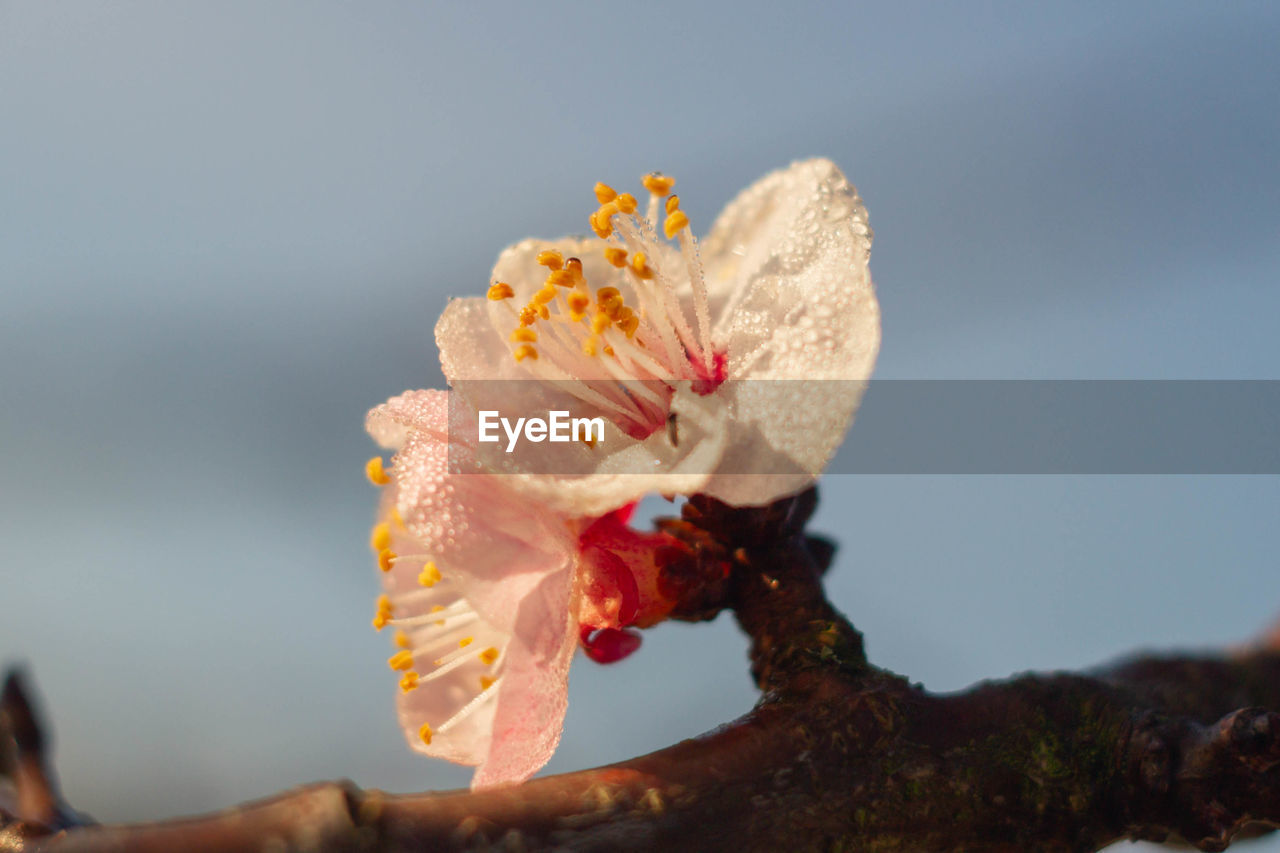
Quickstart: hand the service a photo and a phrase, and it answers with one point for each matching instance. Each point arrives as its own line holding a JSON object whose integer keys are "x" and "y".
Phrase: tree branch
{"x": 837, "y": 755}
{"x": 24, "y": 760}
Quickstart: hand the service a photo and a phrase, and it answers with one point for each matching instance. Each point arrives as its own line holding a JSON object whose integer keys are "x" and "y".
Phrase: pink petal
{"x": 426, "y": 411}
{"x": 533, "y": 696}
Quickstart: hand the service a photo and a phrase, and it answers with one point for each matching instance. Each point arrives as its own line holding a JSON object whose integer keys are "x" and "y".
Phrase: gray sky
{"x": 226, "y": 231}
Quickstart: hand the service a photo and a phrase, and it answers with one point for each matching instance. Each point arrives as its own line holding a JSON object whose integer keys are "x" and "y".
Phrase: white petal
{"x": 785, "y": 432}
{"x": 804, "y": 327}
{"x": 469, "y": 348}
{"x": 785, "y": 206}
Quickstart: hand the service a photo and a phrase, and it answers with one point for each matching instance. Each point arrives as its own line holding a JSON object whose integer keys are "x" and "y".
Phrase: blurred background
{"x": 226, "y": 231}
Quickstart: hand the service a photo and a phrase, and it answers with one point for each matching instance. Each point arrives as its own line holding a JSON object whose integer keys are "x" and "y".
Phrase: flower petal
{"x": 426, "y": 411}
{"x": 479, "y": 584}
{"x": 803, "y": 326}
{"x": 784, "y": 434}
{"x": 469, "y": 739}
{"x": 787, "y": 212}
{"x": 469, "y": 349}
{"x": 531, "y": 703}
{"x": 473, "y": 528}
{"x": 440, "y": 636}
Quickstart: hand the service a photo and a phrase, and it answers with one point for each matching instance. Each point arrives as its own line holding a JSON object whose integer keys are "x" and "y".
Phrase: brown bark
{"x": 837, "y": 755}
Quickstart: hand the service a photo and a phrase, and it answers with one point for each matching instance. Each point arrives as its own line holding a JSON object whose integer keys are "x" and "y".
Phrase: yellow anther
{"x": 543, "y": 312}
{"x": 616, "y": 256}
{"x": 551, "y": 258}
{"x": 675, "y": 222}
{"x": 562, "y": 278}
{"x": 591, "y": 345}
{"x": 528, "y": 314}
{"x": 610, "y": 301}
{"x": 574, "y": 265}
{"x": 401, "y": 660}
{"x": 639, "y": 264}
{"x": 488, "y": 656}
{"x": 599, "y": 323}
{"x": 500, "y": 291}
{"x": 424, "y": 734}
{"x": 401, "y": 639}
{"x": 386, "y": 559}
{"x": 578, "y": 304}
{"x": 383, "y": 615}
{"x": 375, "y": 472}
{"x": 600, "y": 220}
{"x": 609, "y": 351}
{"x": 466, "y": 641}
{"x": 380, "y": 538}
{"x": 545, "y": 295}
{"x": 409, "y": 681}
{"x": 626, "y": 203}
{"x": 524, "y": 335}
{"x": 673, "y": 204}
{"x": 628, "y": 325}
{"x": 600, "y": 226}
{"x": 605, "y": 193}
{"x": 436, "y": 609}
{"x": 486, "y": 682}
{"x": 526, "y": 351}
{"x": 429, "y": 576}
{"x": 658, "y": 183}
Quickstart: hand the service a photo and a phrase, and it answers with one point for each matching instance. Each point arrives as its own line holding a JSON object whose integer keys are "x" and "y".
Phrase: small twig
{"x": 1271, "y": 639}
{"x": 27, "y": 766}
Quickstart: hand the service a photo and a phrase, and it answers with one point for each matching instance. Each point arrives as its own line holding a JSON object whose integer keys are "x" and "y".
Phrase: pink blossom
{"x": 489, "y": 592}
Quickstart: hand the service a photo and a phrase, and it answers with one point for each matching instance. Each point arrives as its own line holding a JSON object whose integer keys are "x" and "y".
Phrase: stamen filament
{"x": 450, "y": 623}
{"x": 445, "y": 665}
{"x": 468, "y": 709}
{"x": 633, "y": 386}
{"x": 632, "y": 233}
{"x": 701, "y": 309}
{"x": 635, "y": 324}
